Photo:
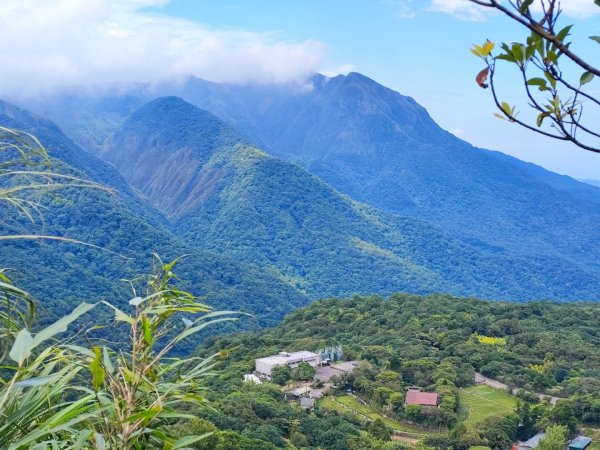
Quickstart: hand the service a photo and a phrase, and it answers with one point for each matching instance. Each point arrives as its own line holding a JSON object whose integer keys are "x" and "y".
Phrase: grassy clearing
{"x": 355, "y": 405}
{"x": 481, "y": 402}
{"x": 328, "y": 403}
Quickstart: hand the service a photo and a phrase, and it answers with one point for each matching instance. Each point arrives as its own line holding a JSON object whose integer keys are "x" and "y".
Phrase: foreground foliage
{"x": 60, "y": 394}
{"x": 555, "y": 78}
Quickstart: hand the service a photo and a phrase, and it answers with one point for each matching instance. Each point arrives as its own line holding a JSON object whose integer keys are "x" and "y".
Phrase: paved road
{"x": 482, "y": 379}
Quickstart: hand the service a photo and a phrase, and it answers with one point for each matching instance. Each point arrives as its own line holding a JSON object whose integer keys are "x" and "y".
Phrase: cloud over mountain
{"x": 65, "y": 43}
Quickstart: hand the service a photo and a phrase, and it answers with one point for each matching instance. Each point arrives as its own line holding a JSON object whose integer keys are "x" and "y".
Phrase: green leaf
{"x": 525, "y": 6}
{"x": 586, "y": 78}
{"x": 120, "y": 316}
{"x": 539, "y": 82}
{"x": 506, "y": 57}
{"x": 562, "y": 34}
{"x": 595, "y": 38}
{"x": 84, "y": 351}
{"x": 21, "y": 347}
{"x": 518, "y": 53}
{"x": 39, "y": 381}
{"x": 106, "y": 361}
{"x": 186, "y": 441}
{"x": 136, "y": 301}
{"x": 550, "y": 79}
{"x": 100, "y": 441}
{"x": 540, "y": 118}
{"x": 506, "y": 108}
{"x": 147, "y": 330}
{"x": 96, "y": 369}
{"x": 149, "y": 413}
{"x": 82, "y": 438}
{"x": 61, "y": 324}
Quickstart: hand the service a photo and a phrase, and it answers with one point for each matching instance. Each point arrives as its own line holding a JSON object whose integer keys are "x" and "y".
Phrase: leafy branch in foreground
{"x": 555, "y": 79}
{"x": 118, "y": 398}
{"x": 26, "y": 167}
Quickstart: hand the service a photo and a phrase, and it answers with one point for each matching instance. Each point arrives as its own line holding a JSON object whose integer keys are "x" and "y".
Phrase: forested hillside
{"x": 224, "y": 195}
{"x": 383, "y": 149}
{"x": 126, "y": 231}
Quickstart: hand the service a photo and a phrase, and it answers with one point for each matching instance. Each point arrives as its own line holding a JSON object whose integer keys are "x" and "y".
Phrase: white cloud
{"x": 466, "y": 10}
{"x": 580, "y": 9}
{"x": 402, "y": 8}
{"x": 62, "y": 43}
{"x": 459, "y": 133}
{"x": 461, "y": 9}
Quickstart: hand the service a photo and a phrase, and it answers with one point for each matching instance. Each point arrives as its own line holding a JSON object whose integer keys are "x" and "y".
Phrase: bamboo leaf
{"x": 61, "y": 324}
{"x": 106, "y": 361}
{"x": 185, "y": 441}
{"x": 32, "y": 382}
{"x": 21, "y": 347}
{"x": 120, "y": 316}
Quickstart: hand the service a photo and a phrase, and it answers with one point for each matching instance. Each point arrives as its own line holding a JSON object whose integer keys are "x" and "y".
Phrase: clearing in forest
{"x": 481, "y": 401}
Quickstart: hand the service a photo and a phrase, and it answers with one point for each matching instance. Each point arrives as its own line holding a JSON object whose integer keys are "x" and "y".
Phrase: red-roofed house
{"x": 416, "y": 397}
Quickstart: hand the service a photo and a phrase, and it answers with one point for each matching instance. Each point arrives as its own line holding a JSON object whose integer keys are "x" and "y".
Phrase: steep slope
{"x": 383, "y": 149}
{"x": 128, "y": 231}
{"x": 164, "y": 147}
{"x": 244, "y": 203}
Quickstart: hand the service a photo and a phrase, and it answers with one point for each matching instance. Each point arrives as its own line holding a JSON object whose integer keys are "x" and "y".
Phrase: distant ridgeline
{"x": 360, "y": 192}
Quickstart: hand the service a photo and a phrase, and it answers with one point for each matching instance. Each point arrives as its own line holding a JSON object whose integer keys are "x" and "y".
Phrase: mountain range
{"x": 287, "y": 193}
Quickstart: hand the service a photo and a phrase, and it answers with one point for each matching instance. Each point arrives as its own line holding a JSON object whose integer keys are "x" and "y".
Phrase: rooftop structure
{"x": 265, "y": 365}
{"x": 530, "y": 443}
{"x": 416, "y": 397}
{"x": 579, "y": 443}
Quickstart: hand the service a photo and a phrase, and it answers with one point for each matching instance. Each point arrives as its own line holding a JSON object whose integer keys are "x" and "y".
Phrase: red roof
{"x": 415, "y": 397}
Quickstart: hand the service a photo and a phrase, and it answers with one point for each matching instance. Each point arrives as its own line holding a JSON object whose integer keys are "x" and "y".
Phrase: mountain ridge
{"x": 263, "y": 209}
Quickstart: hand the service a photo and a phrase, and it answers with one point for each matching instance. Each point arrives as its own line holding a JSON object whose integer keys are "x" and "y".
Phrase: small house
{"x": 416, "y": 397}
{"x": 579, "y": 443}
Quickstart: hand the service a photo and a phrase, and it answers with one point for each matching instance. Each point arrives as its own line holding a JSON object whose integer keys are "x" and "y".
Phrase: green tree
{"x": 304, "y": 372}
{"x": 559, "y": 104}
{"x": 379, "y": 430}
{"x": 281, "y": 374}
{"x": 555, "y": 438}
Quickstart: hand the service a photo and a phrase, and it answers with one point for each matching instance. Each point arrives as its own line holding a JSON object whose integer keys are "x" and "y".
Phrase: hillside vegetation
{"x": 437, "y": 343}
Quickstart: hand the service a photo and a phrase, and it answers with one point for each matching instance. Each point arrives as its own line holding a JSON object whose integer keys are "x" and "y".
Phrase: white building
{"x": 265, "y": 365}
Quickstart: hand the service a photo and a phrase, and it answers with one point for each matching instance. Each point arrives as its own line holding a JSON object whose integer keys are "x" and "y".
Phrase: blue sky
{"x": 418, "y": 47}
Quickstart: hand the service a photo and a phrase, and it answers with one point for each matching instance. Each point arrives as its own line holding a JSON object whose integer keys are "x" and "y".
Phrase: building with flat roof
{"x": 265, "y": 365}
{"x": 530, "y": 443}
{"x": 579, "y": 443}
